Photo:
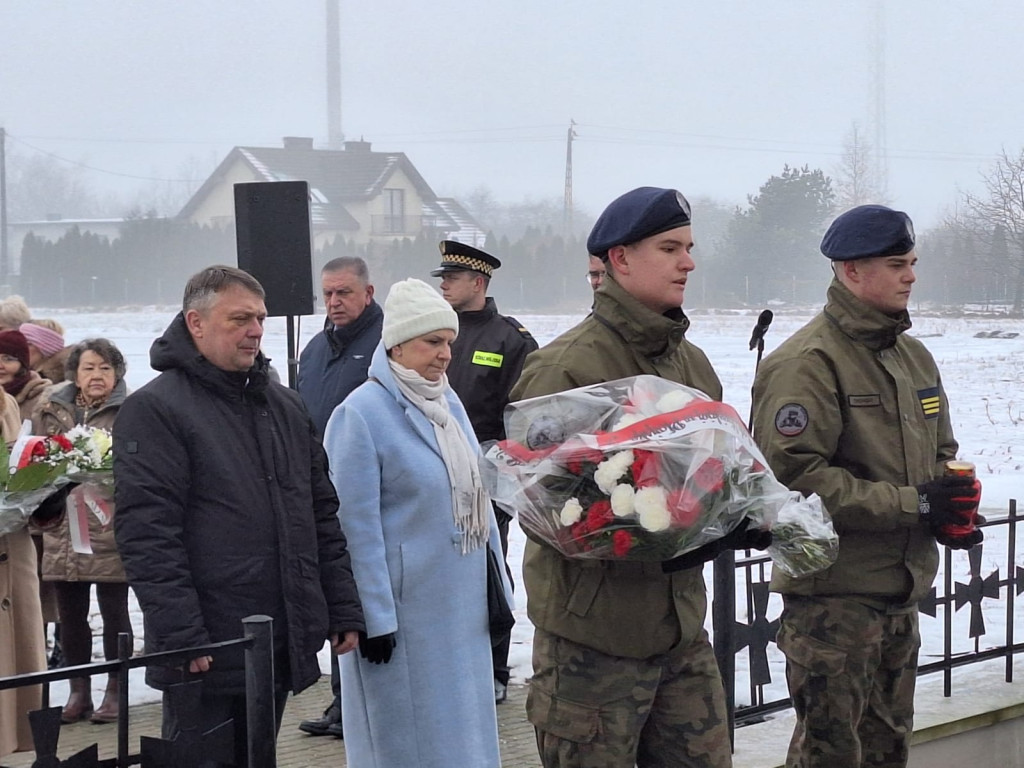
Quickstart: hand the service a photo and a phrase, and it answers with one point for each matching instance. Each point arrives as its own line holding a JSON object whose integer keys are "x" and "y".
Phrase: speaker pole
{"x": 293, "y": 360}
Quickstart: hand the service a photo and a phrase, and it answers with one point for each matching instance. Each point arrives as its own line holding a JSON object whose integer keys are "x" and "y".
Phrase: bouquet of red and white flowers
{"x": 30, "y": 471}
{"x": 646, "y": 469}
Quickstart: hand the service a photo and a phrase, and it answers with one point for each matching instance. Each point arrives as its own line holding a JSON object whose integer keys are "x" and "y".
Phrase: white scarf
{"x": 470, "y": 505}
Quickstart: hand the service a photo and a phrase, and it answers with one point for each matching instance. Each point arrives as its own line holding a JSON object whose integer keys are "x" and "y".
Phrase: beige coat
{"x": 22, "y": 646}
{"x": 30, "y": 395}
{"x": 56, "y": 414}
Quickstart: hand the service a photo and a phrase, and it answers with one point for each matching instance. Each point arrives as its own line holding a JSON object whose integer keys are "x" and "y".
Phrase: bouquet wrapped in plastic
{"x": 30, "y": 471}
{"x": 646, "y": 469}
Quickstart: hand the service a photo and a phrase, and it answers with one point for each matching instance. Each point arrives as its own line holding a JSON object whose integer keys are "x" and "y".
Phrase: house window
{"x": 394, "y": 211}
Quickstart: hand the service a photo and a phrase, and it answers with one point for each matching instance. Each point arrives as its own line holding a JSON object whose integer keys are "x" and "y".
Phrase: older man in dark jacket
{"x": 225, "y": 507}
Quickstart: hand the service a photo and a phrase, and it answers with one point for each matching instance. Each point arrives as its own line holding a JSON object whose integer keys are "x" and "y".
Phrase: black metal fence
{"x": 745, "y": 619}
{"x": 257, "y": 643}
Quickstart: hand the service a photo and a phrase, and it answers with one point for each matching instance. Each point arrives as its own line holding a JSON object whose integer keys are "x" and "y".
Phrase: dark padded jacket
{"x": 487, "y": 358}
{"x": 335, "y": 362}
{"x": 224, "y": 510}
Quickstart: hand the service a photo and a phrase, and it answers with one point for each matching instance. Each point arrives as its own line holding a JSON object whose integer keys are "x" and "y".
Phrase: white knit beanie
{"x": 412, "y": 309}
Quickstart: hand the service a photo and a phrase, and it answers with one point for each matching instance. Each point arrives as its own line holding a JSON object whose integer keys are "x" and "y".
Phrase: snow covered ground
{"x": 982, "y": 376}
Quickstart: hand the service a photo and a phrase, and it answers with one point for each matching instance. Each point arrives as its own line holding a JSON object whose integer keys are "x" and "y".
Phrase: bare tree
{"x": 854, "y": 177}
{"x": 1000, "y": 208}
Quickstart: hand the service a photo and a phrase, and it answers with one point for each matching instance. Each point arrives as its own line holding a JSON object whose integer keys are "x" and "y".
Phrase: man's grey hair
{"x": 353, "y": 263}
{"x": 202, "y": 288}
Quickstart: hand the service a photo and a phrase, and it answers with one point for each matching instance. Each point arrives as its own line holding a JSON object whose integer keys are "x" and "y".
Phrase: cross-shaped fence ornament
{"x": 193, "y": 745}
{"x": 45, "y": 725}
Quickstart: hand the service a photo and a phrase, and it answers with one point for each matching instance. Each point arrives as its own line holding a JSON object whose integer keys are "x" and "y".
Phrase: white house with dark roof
{"x": 355, "y": 193}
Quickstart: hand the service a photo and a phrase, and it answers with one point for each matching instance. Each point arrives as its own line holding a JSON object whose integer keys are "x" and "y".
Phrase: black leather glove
{"x": 376, "y": 650}
{"x": 948, "y": 504}
{"x": 52, "y": 507}
{"x": 963, "y": 541}
{"x": 740, "y": 537}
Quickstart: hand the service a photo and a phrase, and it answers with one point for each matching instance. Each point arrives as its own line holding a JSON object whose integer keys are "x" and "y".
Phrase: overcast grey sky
{"x": 709, "y": 97}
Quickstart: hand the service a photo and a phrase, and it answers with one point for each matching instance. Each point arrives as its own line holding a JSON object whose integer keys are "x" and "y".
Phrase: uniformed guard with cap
{"x": 624, "y": 674}
{"x": 853, "y": 409}
{"x": 487, "y": 358}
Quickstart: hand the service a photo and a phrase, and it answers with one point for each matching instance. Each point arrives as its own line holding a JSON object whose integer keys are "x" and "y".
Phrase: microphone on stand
{"x": 763, "y": 321}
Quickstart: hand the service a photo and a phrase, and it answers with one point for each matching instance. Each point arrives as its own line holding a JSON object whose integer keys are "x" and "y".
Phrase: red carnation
{"x": 39, "y": 449}
{"x": 599, "y": 515}
{"x": 709, "y": 478}
{"x": 63, "y": 442}
{"x": 645, "y": 468}
{"x": 684, "y": 507}
{"x": 622, "y": 542}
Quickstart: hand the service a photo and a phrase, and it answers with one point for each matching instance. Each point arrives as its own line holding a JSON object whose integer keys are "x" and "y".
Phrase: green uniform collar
{"x": 649, "y": 333}
{"x": 866, "y": 325}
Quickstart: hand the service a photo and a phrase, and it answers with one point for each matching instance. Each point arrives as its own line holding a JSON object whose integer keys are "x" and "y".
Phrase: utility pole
{"x": 567, "y": 206}
{"x": 335, "y": 138}
{"x": 877, "y": 49}
{"x": 3, "y": 210}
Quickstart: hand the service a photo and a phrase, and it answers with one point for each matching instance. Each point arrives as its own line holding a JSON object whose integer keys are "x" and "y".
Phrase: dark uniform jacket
{"x": 224, "y": 510}
{"x": 619, "y": 608}
{"x": 853, "y": 409}
{"x": 487, "y": 358}
{"x": 336, "y": 361}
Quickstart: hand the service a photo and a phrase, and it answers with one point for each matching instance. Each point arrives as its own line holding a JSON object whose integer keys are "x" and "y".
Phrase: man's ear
{"x": 194, "y": 323}
{"x": 850, "y": 270}
{"x": 618, "y": 258}
{"x": 369, "y": 293}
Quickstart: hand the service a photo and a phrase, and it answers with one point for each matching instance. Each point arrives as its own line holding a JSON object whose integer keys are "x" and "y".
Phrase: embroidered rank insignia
{"x": 491, "y": 359}
{"x": 791, "y": 420}
{"x": 930, "y": 402}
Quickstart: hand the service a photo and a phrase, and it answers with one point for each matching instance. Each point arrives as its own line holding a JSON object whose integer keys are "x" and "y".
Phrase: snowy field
{"x": 982, "y": 377}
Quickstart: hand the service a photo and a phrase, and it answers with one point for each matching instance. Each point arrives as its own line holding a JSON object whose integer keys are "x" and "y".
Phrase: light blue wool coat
{"x": 432, "y": 705}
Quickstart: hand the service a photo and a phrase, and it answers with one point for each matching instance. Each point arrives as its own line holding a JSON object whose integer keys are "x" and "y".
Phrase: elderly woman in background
{"x": 418, "y": 524}
{"x": 47, "y": 353}
{"x": 13, "y": 312}
{"x": 22, "y": 648}
{"x": 92, "y": 396}
{"x": 16, "y": 374}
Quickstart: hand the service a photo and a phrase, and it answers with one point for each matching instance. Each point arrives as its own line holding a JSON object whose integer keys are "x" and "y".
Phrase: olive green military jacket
{"x": 618, "y": 608}
{"x": 852, "y": 409}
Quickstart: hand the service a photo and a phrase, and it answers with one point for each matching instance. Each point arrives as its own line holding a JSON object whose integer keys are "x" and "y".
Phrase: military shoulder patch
{"x": 930, "y": 402}
{"x": 791, "y": 420}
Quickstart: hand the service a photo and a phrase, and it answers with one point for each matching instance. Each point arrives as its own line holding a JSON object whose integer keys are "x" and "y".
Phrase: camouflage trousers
{"x": 592, "y": 710}
{"x": 851, "y": 671}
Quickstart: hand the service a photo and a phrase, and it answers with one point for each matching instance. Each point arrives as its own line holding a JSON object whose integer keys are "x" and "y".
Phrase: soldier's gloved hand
{"x": 740, "y": 537}
{"x": 963, "y": 540}
{"x": 948, "y": 504}
{"x": 377, "y": 650}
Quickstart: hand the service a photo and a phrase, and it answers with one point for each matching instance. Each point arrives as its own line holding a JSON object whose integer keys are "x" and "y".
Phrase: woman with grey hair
{"x": 93, "y": 393}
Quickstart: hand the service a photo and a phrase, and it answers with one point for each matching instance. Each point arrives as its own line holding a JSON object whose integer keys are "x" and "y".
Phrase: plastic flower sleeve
{"x": 803, "y": 539}
{"x": 635, "y": 469}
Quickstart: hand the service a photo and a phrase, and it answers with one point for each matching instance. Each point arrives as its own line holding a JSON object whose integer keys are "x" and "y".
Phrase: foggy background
{"x": 115, "y": 108}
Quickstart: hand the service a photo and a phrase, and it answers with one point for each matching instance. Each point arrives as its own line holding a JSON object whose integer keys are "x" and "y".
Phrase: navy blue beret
{"x": 868, "y": 231}
{"x": 644, "y": 212}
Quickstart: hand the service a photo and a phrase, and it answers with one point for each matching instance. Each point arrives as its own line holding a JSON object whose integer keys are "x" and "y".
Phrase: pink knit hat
{"x": 46, "y": 341}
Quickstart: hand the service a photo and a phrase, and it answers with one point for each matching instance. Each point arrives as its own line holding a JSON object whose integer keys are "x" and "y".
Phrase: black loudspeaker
{"x": 274, "y": 243}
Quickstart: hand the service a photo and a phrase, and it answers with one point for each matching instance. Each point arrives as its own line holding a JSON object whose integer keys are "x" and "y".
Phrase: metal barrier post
{"x": 124, "y": 652}
{"x": 723, "y": 620}
{"x": 261, "y": 718}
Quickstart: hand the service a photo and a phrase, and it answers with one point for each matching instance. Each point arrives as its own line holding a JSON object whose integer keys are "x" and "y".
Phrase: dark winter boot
{"x": 107, "y": 711}
{"x": 79, "y": 705}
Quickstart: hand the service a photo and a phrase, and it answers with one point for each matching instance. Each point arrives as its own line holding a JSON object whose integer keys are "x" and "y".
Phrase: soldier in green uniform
{"x": 853, "y": 409}
{"x": 487, "y": 358}
{"x": 624, "y": 674}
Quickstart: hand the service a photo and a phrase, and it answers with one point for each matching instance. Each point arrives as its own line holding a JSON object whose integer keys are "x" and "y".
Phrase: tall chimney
{"x": 334, "y": 135}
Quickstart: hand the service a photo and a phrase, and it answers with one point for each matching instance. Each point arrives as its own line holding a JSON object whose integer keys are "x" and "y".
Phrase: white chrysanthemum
{"x": 622, "y": 500}
{"x": 652, "y": 509}
{"x": 627, "y": 420}
{"x": 611, "y": 469}
{"x": 571, "y": 512}
{"x": 673, "y": 401}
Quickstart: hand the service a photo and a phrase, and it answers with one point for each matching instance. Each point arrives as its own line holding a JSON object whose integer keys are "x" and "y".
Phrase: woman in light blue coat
{"x": 404, "y": 460}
